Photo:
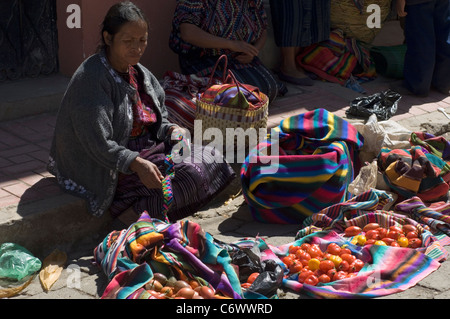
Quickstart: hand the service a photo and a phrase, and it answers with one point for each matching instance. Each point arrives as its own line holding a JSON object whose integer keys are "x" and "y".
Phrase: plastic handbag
{"x": 231, "y": 105}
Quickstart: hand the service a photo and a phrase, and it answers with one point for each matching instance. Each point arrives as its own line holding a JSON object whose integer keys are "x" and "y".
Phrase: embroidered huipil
{"x": 230, "y": 19}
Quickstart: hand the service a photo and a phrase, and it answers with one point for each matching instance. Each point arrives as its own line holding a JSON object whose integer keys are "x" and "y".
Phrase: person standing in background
{"x": 427, "y": 37}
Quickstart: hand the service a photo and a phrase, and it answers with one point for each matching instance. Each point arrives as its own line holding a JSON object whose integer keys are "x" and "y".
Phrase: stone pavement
{"x": 37, "y": 215}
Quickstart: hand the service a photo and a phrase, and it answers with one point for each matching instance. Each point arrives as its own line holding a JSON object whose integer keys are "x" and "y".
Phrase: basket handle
{"x": 238, "y": 85}
{"x": 222, "y": 57}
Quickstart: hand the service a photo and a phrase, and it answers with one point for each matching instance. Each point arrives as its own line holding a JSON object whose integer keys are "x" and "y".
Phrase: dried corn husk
{"x": 11, "y": 292}
{"x": 52, "y": 268}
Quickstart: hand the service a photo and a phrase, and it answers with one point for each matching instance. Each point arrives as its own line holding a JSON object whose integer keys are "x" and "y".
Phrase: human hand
{"x": 244, "y": 47}
{"x": 148, "y": 173}
{"x": 401, "y": 8}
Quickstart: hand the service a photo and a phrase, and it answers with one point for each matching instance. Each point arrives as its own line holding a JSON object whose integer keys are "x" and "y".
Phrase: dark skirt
{"x": 300, "y": 23}
{"x": 193, "y": 186}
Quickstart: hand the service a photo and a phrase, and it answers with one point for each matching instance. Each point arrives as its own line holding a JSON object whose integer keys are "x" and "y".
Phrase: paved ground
{"x": 26, "y": 188}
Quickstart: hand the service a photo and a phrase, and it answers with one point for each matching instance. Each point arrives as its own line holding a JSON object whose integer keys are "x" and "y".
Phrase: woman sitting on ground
{"x": 112, "y": 136}
{"x": 203, "y": 30}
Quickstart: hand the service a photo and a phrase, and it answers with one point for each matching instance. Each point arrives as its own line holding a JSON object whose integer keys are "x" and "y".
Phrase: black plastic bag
{"x": 384, "y": 105}
{"x": 270, "y": 273}
{"x": 269, "y": 280}
{"x": 248, "y": 260}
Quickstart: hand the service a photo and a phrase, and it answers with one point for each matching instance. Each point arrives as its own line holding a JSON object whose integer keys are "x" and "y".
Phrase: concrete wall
{"x": 76, "y": 44}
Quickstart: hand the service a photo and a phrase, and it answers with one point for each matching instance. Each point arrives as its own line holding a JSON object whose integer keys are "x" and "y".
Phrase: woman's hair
{"x": 117, "y": 16}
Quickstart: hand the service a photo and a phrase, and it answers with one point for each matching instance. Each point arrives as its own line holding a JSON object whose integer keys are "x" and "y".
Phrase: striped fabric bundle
{"x": 131, "y": 256}
{"x": 317, "y": 153}
{"x": 366, "y": 208}
{"x": 387, "y": 270}
{"x": 412, "y": 172}
{"x": 436, "y": 145}
{"x": 336, "y": 59}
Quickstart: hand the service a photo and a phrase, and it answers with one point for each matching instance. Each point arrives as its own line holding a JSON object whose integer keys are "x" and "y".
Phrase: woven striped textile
{"x": 387, "y": 270}
{"x": 367, "y": 208}
{"x": 130, "y": 258}
{"x": 338, "y": 58}
{"x": 415, "y": 172}
{"x": 316, "y": 162}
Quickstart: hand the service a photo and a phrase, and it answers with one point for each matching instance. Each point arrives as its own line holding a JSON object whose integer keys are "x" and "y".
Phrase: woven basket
{"x": 237, "y": 116}
{"x": 214, "y": 116}
{"x": 346, "y": 16}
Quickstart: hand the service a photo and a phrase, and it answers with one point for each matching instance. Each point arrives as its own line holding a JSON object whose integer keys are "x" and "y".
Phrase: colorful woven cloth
{"x": 129, "y": 258}
{"x": 366, "y": 208}
{"x": 387, "y": 270}
{"x": 337, "y": 59}
{"x": 413, "y": 172}
{"x": 316, "y": 162}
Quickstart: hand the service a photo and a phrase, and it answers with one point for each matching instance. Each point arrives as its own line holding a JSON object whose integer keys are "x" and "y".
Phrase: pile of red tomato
{"x": 405, "y": 236}
{"x": 316, "y": 266}
{"x": 161, "y": 287}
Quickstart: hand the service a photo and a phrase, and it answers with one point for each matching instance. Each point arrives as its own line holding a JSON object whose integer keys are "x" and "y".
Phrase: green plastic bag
{"x": 16, "y": 262}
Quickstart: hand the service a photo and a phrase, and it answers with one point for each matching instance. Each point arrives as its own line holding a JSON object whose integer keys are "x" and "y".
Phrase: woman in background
{"x": 203, "y": 30}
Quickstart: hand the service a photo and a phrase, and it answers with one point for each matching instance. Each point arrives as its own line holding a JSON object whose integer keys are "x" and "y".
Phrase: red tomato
{"x": 334, "y": 249}
{"x": 246, "y": 285}
{"x": 396, "y": 228}
{"x": 287, "y": 260}
{"x": 388, "y": 240}
{"x": 395, "y": 244}
{"x": 394, "y": 234}
{"x": 293, "y": 249}
{"x": 305, "y": 246}
{"x": 370, "y": 242}
{"x": 318, "y": 273}
{"x": 304, "y": 261}
{"x": 252, "y": 277}
{"x": 339, "y": 275}
{"x": 382, "y": 231}
{"x": 295, "y": 267}
{"x": 348, "y": 258}
{"x": 356, "y": 266}
{"x": 314, "y": 252}
{"x": 326, "y": 265}
{"x": 345, "y": 251}
{"x": 370, "y": 226}
{"x": 344, "y": 266}
{"x": 303, "y": 275}
{"x": 331, "y": 273}
{"x": 415, "y": 243}
{"x": 408, "y": 228}
{"x": 351, "y": 274}
{"x": 373, "y": 234}
{"x": 324, "y": 278}
{"x": 412, "y": 234}
{"x": 311, "y": 280}
{"x": 352, "y": 231}
{"x": 301, "y": 254}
